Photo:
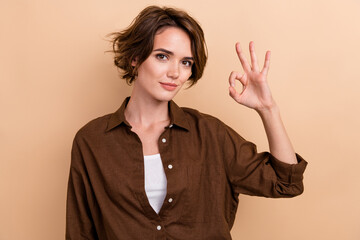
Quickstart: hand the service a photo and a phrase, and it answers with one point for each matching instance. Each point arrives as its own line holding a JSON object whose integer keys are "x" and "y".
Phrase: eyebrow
{"x": 171, "y": 53}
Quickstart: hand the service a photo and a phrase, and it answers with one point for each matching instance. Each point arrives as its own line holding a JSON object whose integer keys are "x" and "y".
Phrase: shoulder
{"x": 206, "y": 123}
{"x": 210, "y": 124}
{"x": 196, "y": 116}
{"x": 94, "y": 128}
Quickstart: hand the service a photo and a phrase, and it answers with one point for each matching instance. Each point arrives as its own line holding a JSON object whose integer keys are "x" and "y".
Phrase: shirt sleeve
{"x": 79, "y": 223}
{"x": 260, "y": 174}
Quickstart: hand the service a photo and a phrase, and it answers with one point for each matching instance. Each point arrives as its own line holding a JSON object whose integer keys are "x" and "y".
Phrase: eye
{"x": 161, "y": 56}
{"x": 187, "y": 63}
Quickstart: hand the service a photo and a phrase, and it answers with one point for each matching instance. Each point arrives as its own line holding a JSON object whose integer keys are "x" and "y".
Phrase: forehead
{"x": 173, "y": 39}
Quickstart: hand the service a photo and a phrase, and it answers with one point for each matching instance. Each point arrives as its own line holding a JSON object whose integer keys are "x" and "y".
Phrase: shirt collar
{"x": 177, "y": 116}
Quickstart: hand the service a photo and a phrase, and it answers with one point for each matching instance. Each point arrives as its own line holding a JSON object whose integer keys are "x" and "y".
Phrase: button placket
{"x": 164, "y": 141}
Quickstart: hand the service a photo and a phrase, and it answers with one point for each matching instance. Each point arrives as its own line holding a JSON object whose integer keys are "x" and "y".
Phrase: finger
{"x": 242, "y": 58}
{"x": 266, "y": 63}
{"x": 237, "y": 76}
{"x": 232, "y": 78}
{"x": 232, "y": 91}
{"x": 234, "y": 94}
{"x": 254, "y": 61}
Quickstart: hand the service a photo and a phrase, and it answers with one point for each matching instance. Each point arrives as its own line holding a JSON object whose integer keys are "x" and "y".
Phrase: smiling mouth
{"x": 169, "y": 86}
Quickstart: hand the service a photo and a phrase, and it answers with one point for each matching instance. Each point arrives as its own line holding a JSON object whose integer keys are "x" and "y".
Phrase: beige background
{"x": 55, "y": 77}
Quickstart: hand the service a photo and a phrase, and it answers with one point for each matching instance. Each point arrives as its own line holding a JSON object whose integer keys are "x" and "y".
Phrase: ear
{"x": 134, "y": 62}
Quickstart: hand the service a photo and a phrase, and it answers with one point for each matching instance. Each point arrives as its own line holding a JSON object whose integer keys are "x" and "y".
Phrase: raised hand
{"x": 256, "y": 93}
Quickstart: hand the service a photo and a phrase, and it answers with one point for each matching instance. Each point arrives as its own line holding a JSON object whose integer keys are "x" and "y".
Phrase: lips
{"x": 168, "y": 86}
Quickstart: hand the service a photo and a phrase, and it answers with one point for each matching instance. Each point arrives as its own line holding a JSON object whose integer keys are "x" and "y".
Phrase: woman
{"x": 153, "y": 170}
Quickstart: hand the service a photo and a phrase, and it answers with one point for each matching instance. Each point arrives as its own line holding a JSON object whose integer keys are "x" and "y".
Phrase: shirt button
{"x": 158, "y": 227}
{"x": 163, "y": 140}
{"x": 170, "y": 200}
{"x": 170, "y": 166}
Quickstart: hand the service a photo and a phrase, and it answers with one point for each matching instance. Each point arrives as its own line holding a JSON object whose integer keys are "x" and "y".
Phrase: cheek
{"x": 156, "y": 70}
{"x": 148, "y": 71}
{"x": 186, "y": 75}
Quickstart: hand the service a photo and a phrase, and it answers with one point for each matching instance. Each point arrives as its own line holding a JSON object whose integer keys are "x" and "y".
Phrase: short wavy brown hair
{"x": 137, "y": 40}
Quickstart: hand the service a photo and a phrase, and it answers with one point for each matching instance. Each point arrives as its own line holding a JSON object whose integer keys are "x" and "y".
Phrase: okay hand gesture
{"x": 256, "y": 93}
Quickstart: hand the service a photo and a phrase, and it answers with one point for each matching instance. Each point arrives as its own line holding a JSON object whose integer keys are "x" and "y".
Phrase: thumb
{"x": 234, "y": 94}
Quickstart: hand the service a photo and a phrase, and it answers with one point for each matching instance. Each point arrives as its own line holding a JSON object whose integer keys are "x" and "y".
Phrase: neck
{"x": 145, "y": 112}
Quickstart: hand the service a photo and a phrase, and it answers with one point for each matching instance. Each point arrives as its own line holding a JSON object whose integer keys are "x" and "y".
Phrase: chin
{"x": 167, "y": 96}
{"x": 165, "y": 99}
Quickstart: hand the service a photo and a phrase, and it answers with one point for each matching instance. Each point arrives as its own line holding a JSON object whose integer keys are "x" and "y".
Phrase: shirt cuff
{"x": 290, "y": 173}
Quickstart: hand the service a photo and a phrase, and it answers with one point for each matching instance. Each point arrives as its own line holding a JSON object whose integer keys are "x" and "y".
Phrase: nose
{"x": 173, "y": 71}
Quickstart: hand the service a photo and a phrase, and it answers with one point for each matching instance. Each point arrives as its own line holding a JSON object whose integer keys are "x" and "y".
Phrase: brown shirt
{"x": 207, "y": 165}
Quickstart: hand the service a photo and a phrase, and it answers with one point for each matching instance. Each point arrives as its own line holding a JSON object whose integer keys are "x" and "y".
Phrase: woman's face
{"x": 167, "y": 68}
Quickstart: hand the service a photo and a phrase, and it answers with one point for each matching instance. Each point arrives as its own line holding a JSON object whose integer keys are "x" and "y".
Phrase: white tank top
{"x": 155, "y": 181}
